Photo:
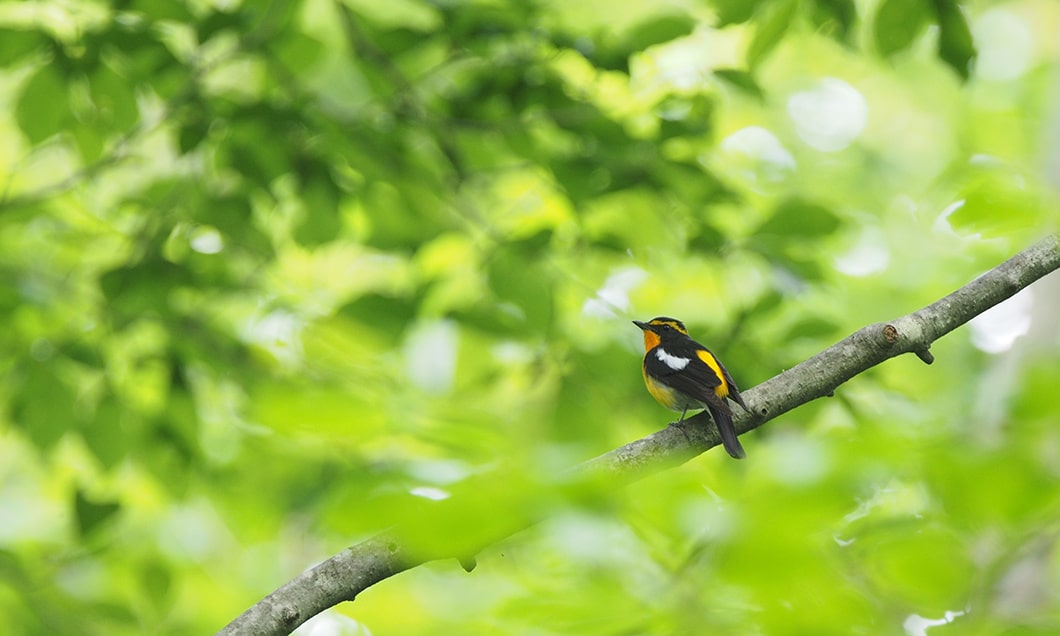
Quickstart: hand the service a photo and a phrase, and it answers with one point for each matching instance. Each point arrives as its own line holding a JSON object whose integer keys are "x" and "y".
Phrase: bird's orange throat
{"x": 651, "y": 339}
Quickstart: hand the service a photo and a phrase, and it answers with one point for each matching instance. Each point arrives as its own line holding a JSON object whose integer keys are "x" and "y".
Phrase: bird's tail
{"x": 723, "y": 420}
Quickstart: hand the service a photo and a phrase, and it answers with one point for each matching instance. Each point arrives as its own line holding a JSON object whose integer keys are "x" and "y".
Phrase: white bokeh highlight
{"x": 830, "y": 116}
{"x": 1004, "y": 43}
{"x": 757, "y": 154}
{"x": 613, "y": 298}
{"x": 430, "y": 356}
{"x": 997, "y": 329}
{"x": 868, "y": 256}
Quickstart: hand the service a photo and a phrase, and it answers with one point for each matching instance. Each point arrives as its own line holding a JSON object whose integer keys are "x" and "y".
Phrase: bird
{"x": 682, "y": 374}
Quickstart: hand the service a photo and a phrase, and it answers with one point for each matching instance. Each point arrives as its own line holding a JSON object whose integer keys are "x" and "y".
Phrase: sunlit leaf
{"x": 524, "y": 284}
{"x": 772, "y": 20}
{"x": 898, "y": 22}
{"x": 658, "y": 30}
{"x": 16, "y": 44}
{"x": 44, "y": 408}
{"x": 813, "y": 327}
{"x": 736, "y": 11}
{"x": 112, "y": 432}
{"x": 997, "y": 203}
{"x": 92, "y": 514}
{"x": 955, "y": 37}
{"x": 839, "y": 15}
{"x": 741, "y": 80}
{"x": 159, "y": 10}
{"x": 797, "y": 217}
{"x": 889, "y": 555}
{"x": 42, "y": 109}
{"x": 298, "y": 50}
{"x": 143, "y": 288}
{"x": 113, "y": 98}
{"x": 322, "y": 222}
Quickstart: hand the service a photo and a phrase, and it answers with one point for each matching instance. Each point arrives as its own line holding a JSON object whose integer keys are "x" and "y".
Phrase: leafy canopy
{"x": 277, "y": 275}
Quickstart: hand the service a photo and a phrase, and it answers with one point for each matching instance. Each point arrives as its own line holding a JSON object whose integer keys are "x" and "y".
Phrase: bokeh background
{"x": 276, "y": 275}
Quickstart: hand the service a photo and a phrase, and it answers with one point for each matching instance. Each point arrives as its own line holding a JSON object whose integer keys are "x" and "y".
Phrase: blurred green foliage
{"x": 276, "y": 275}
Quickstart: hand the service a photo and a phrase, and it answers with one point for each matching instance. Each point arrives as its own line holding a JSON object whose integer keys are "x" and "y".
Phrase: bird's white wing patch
{"x": 674, "y": 362}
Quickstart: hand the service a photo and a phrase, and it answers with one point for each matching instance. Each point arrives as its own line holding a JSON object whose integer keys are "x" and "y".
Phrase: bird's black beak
{"x": 643, "y": 325}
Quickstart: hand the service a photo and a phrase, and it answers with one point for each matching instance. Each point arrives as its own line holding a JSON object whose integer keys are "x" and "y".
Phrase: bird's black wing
{"x": 695, "y": 371}
{"x": 734, "y": 391}
{"x": 695, "y": 379}
{"x": 698, "y": 380}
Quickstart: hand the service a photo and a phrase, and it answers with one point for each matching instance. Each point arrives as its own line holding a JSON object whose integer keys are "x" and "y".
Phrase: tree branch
{"x": 343, "y": 576}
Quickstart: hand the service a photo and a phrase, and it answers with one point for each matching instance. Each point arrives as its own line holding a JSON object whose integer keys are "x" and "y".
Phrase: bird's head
{"x": 660, "y": 329}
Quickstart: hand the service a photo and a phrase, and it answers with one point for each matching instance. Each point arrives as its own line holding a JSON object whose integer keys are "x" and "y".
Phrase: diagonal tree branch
{"x": 344, "y": 575}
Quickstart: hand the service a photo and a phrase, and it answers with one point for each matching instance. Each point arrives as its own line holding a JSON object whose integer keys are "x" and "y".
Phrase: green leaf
{"x": 114, "y": 98}
{"x": 299, "y": 51}
{"x": 389, "y": 316}
{"x": 45, "y": 406}
{"x": 735, "y": 11}
{"x": 799, "y": 219}
{"x": 89, "y": 140}
{"x": 322, "y": 222}
{"x": 91, "y": 515}
{"x": 956, "y": 47}
{"x": 839, "y": 15}
{"x": 898, "y": 23}
{"x": 634, "y": 218}
{"x": 790, "y": 235}
{"x": 109, "y": 433}
{"x": 475, "y": 23}
{"x": 218, "y": 21}
{"x": 157, "y": 581}
{"x": 812, "y": 327}
{"x": 524, "y": 284}
{"x": 43, "y": 108}
{"x": 180, "y": 421}
{"x": 773, "y": 19}
{"x": 706, "y": 240}
{"x": 741, "y": 80}
{"x": 997, "y": 204}
{"x": 401, "y": 41}
{"x": 155, "y": 10}
{"x": 915, "y": 564}
{"x": 393, "y": 223}
{"x": 233, "y": 217}
{"x": 261, "y": 162}
{"x": 148, "y": 60}
{"x": 16, "y": 44}
{"x": 694, "y": 185}
{"x": 766, "y": 304}
{"x": 685, "y": 116}
{"x": 658, "y": 30}
{"x": 144, "y": 288}
{"x": 192, "y": 130}
{"x": 295, "y": 409}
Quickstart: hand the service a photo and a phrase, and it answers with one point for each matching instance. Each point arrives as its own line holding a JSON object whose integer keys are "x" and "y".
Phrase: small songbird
{"x": 682, "y": 374}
